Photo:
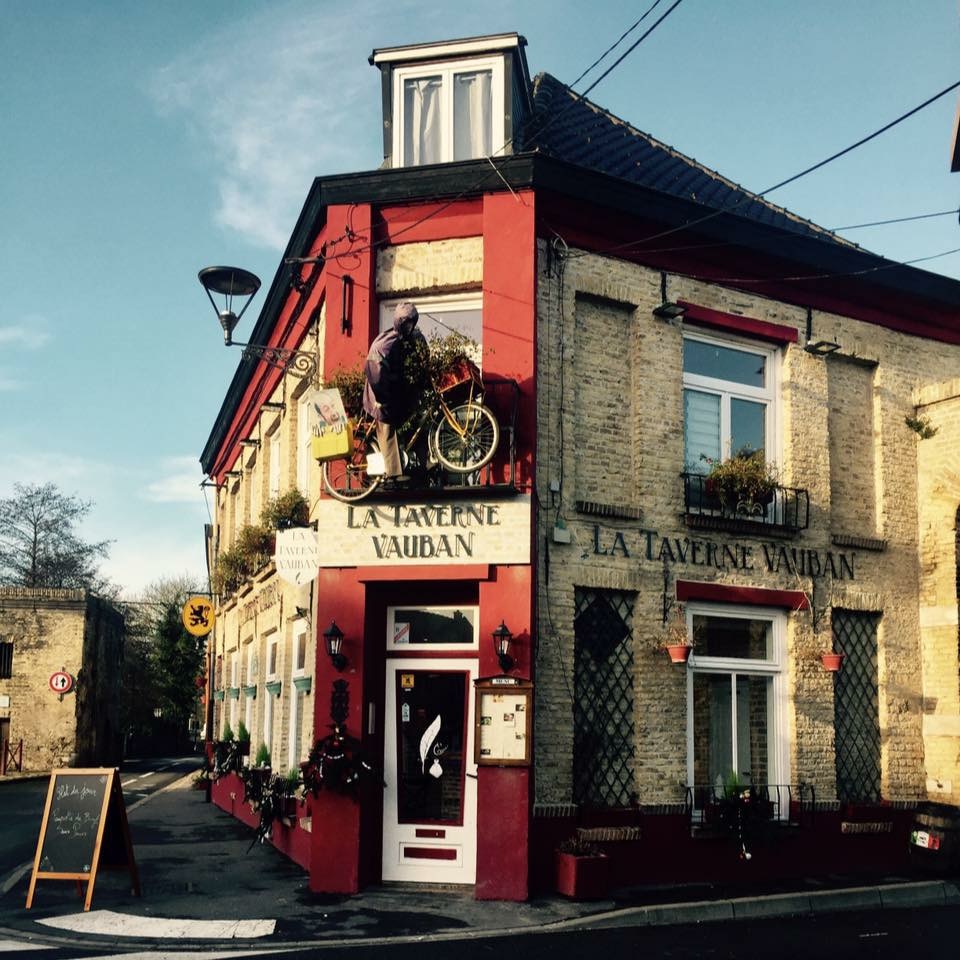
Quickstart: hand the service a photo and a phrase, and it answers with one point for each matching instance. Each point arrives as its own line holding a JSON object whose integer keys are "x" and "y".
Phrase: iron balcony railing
{"x": 786, "y": 511}
{"x": 786, "y": 804}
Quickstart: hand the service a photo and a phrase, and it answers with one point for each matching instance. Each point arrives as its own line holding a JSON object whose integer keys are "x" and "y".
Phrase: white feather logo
{"x": 426, "y": 742}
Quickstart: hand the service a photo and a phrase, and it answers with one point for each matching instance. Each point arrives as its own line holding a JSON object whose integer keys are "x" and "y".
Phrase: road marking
{"x": 160, "y": 928}
{"x": 179, "y": 955}
{"x": 16, "y": 946}
{"x": 15, "y": 877}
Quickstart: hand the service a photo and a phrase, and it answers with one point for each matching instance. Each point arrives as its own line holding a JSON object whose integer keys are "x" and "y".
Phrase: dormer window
{"x": 445, "y": 112}
{"x": 452, "y": 101}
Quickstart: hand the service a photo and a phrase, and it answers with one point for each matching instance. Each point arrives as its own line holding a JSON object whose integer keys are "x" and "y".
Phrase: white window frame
{"x": 446, "y": 71}
{"x": 304, "y": 440}
{"x": 234, "y": 684}
{"x": 272, "y": 648}
{"x": 467, "y": 649}
{"x": 274, "y": 464}
{"x": 297, "y": 699}
{"x": 253, "y": 480}
{"x": 273, "y": 653}
{"x": 774, "y": 667}
{"x": 730, "y": 389}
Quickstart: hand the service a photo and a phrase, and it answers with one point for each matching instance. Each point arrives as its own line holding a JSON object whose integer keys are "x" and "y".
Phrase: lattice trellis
{"x": 603, "y": 729}
{"x": 856, "y": 707}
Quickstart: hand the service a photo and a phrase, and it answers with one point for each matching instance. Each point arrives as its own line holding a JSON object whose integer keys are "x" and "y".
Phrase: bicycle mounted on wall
{"x": 462, "y": 435}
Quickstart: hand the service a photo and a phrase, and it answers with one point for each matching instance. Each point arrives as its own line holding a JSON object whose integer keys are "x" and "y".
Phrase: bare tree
{"x": 39, "y": 544}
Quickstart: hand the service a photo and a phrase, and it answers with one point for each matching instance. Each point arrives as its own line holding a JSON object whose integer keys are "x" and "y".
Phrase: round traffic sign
{"x": 61, "y": 682}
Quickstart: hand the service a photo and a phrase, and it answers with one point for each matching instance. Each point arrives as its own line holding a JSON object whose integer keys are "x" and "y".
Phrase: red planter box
{"x": 582, "y": 878}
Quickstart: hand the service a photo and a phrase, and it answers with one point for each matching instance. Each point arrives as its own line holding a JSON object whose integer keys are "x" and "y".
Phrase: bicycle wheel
{"x": 467, "y": 439}
{"x": 347, "y": 479}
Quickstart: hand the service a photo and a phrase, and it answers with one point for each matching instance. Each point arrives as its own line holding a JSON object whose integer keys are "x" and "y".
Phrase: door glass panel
{"x": 418, "y": 627}
{"x": 752, "y": 732}
{"x": 431, "y": 707}
{"x": 712, "y": 721}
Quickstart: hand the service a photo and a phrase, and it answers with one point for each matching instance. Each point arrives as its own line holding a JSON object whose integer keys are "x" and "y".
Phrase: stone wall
{"x": 68, "y": 630}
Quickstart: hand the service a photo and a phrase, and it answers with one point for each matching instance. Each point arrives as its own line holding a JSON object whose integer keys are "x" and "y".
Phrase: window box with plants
{"x": 582, "y": 870}
{"x": 743, "y": 485}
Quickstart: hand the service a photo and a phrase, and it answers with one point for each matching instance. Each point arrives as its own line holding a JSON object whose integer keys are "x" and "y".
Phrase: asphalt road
{"x": 22, "y": 801}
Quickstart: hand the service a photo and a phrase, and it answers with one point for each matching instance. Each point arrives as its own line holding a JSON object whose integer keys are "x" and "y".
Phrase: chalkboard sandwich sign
{"x": 84, "y": 829}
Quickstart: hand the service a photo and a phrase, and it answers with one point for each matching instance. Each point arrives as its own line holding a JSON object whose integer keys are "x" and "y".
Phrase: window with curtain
{"x": 728, "y": 400}
{"x": 734, "y": 697}
{"x": 445, "y": 112}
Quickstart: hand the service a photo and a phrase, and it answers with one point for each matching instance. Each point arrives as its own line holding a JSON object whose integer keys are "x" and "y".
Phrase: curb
{"x": 924, "y": 893}
{"x": 902, "y": 896}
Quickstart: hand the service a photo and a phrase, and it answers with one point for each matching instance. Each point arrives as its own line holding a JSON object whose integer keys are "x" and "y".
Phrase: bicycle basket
{"x": 462, "y": 373}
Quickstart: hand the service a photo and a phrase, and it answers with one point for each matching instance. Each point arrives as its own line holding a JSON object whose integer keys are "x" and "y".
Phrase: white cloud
{"x": 9, "y": 383}
{"x": 281, "y": 98}
{"x": 177, "y": 481}
{"x": 24, "y": 335}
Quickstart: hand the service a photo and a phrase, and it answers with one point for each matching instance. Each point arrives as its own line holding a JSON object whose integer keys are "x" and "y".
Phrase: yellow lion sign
{"x": 198, "y": 616}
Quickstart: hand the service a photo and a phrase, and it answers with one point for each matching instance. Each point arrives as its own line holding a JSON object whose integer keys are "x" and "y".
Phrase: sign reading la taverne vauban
{"x": 448, "y": 532}
{"x": 773, "y": 558}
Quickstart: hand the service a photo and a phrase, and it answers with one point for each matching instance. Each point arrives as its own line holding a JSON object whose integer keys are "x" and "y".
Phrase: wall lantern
{"x": 230, "y": 282}
{"x": 501, "y": 646}
{"x": 333, "y": 638}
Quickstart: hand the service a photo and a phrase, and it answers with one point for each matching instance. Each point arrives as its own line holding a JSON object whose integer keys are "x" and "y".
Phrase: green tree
{"x": 39, "y": 543}
{"x": 162, "y": 660}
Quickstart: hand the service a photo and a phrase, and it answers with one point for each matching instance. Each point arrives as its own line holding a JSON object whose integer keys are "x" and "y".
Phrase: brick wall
{"x": 611, "y": 434}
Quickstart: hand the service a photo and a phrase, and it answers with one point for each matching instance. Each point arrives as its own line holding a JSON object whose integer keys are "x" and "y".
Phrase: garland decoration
{"x": 338, "y": 762}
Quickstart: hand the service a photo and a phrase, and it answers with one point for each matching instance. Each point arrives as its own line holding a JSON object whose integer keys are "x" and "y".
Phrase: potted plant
{"x": 582, "y": 870}
{"x": 743, "y": 484}
{"x": 243, "y": 739}
{"x": 262, "y": 758}
{"x": 290, "y": 509}
{"x": 676, "y": 639}
{"x": 831, "y": 661}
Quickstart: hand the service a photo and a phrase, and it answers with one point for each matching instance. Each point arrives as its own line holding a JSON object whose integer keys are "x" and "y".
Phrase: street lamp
{"x": 230, "y": 282}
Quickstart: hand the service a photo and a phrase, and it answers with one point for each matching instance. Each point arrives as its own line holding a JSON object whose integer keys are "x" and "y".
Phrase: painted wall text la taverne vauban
{"x": 423, "y": 532}
{"x": 770, "y": 557}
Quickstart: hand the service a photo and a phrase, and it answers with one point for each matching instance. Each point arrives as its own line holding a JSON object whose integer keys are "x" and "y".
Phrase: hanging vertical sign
{"x": 84, "y": 828}
{"x": 297, "y": 555}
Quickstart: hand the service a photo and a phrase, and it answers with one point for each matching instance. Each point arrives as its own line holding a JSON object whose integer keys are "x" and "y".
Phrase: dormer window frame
{"x": 510, "y": 101}
{"x": 447, "y": 70}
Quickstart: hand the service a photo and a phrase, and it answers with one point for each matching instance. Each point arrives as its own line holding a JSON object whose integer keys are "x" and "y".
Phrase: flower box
{"x": 582, "y": 877}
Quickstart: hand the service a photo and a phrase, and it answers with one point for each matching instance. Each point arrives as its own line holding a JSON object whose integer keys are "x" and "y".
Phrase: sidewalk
{"x": 202, "y": 886}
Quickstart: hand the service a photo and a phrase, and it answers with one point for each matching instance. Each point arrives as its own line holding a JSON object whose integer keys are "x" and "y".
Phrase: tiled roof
{"x": 577, "y": 131}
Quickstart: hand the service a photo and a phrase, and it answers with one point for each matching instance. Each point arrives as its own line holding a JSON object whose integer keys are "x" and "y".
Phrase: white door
{"x": 430, "y": 802}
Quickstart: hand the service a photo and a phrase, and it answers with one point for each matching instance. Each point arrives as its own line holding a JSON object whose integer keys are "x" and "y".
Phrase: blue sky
{"x": 143, "y": 141}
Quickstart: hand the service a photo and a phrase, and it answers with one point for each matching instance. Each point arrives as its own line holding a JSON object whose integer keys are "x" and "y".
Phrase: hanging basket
{"x": 679, "y": 652}
{"x": 832, "y": 661}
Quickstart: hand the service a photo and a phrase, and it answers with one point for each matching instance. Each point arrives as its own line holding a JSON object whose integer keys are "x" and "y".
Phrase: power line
{"x": 745, "y": 196}
{"x": 883, "y": 223}
{"x": 620, "y": 40}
